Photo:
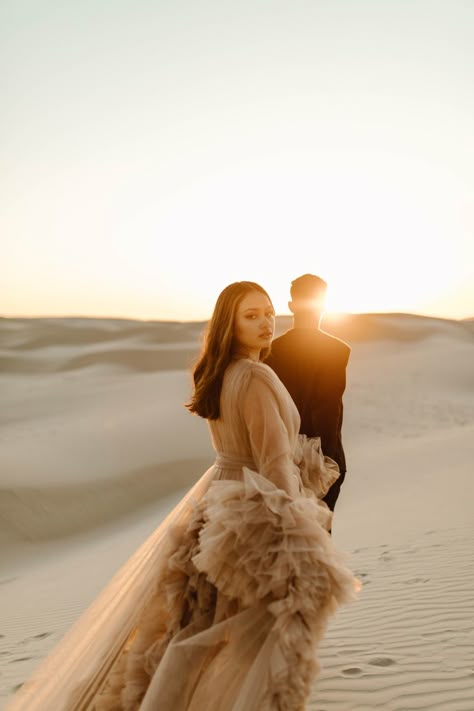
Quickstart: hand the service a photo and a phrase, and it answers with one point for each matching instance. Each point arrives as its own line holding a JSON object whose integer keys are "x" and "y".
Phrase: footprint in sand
{"x": 5, "y": 581}
{"x": 42, "y": 635}
{"x": 352, "y": 671}
{"x": 382, "y": 662}
{"x": 362, "y": 577}
{"x": 20, "y": 659}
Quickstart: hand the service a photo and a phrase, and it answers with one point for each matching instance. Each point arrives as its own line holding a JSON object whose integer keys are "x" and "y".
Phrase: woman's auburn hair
{"x": 219, "y": 349}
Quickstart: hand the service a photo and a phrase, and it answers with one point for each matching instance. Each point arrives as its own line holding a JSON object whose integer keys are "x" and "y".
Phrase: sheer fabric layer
{"x": 71, "y": 675}
{"x": 223, "y": 605}
{"x": 246, "y": 598}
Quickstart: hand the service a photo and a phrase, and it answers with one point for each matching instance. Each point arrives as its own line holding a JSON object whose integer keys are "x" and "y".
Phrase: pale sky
{"x": 153, "y": 152}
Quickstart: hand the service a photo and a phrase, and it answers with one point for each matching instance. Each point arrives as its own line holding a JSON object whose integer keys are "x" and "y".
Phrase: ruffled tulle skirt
{"x": 235, "y": 618}
{"x": 220, "y": 609}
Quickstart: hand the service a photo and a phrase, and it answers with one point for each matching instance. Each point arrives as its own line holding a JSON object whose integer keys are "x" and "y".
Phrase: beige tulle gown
{"x": 222, "y": 607}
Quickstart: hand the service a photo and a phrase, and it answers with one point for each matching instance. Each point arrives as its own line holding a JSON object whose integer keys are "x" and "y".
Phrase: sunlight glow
{"x": 139, "y": 183}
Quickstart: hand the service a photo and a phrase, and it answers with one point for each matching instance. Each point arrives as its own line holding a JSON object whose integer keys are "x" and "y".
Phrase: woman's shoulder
{"x": 250, "y": 375}
{"x": 249, "y": 371}
{"x": 250, "y": 382}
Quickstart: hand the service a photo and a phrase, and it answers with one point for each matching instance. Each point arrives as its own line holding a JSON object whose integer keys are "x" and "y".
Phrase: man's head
{"x": 308, "y": 293}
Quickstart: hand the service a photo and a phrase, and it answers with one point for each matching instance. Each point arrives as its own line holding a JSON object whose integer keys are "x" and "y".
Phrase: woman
{"x": 221, "y": 609}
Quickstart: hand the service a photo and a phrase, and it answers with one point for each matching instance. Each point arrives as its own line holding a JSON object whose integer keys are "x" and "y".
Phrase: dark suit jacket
{"x": 312, "y": 365}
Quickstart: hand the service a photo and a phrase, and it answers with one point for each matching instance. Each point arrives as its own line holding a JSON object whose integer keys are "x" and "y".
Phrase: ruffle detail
{"x": 249, "y": 544}
{"x": 181, "y": 591}
{"x": 318, "y": 472}
{"x": 257, "y": 544}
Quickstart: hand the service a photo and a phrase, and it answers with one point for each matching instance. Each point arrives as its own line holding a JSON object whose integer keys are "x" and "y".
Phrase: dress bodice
{"x": 258, "y": 426}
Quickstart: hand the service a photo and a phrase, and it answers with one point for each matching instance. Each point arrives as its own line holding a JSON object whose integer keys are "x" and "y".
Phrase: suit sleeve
{"x": 330, "y": 412}
{"x": 268, "y": 436}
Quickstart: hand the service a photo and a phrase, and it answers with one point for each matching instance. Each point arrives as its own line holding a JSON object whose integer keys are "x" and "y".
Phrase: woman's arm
{"x": 268, "y": 436}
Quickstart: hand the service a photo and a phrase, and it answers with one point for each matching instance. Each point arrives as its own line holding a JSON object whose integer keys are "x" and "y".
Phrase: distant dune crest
{"x": 96, "y": 447}
{"x": 47, "y": 345}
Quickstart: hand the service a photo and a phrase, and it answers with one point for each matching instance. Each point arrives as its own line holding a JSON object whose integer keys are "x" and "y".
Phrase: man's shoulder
{"x": 284, "y": 338}
{"x": 335, "y": 343}
{"x": 312, "y": 338}
{"x": 283, "y": 347}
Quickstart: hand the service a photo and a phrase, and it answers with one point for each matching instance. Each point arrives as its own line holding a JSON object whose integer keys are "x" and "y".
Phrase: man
{"x": 312, "y": 365}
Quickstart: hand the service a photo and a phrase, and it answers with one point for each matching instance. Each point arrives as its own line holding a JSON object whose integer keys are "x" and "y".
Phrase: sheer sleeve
{"x": 268, "y": 436}
{"x": 318, "y": 472}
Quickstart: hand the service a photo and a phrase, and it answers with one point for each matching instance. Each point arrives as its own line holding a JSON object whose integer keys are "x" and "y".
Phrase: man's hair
{"x": 306, "y": 287}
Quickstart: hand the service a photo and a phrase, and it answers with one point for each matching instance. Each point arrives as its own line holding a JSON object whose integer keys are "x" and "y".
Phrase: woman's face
{"x": 254, "y": 324}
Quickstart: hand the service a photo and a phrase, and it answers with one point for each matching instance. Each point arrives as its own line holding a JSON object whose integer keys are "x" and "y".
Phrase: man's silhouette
{"x": 312, "y": 365}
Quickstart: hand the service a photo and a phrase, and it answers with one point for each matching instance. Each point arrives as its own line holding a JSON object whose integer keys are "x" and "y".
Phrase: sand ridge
{"x": 96, "y": 447}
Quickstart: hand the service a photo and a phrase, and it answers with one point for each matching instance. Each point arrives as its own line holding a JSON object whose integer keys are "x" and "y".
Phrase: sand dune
{"x": 34, "y": 333}
{"x": 61, "y": 344}
{"x": 37, "y": 514}
{"x": 96, "y": 447}
{"x": 31, "y": 346}
{"x": 409, "y": 643}
{"x": 356, "y": 328}
{"x": 134, "y": 359}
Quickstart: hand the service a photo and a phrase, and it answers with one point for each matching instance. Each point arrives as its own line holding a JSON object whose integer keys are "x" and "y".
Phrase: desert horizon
{"x": 97, "y": 447}
{"x": 154, "y": 153}
{"x": 329, "y": 316}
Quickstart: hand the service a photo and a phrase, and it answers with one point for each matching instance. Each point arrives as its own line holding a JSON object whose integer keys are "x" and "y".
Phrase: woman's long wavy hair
{"x": 219, "y": 349}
